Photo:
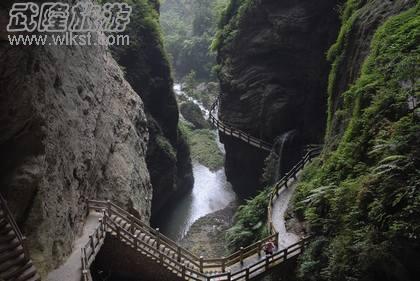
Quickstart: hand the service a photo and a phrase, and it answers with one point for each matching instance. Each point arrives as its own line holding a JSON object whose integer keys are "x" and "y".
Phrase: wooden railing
{"x": 21, "y": 238}
{"x": 174, "y": 257}
{"x": 92, "y": 247}
{"x": 313, "y": 151}
{"x": 174, "y": 261}
{"x": 180, "y": 260}
{"x": 229, "y": 130}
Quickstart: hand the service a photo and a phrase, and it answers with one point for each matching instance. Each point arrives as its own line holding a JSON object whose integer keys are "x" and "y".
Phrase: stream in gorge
{"x": 211, "y": 193}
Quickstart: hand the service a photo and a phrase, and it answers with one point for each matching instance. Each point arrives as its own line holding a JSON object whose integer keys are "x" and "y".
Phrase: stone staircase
{"x": 15, "y": 264}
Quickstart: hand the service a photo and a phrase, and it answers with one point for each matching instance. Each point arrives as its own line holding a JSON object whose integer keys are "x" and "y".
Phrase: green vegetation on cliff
{"x": 250, "y": 222}
{"x": 362, "y": 200}
{"x": 230, "y": 21}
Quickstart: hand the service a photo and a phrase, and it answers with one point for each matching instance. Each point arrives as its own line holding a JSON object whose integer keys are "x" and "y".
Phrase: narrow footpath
{"x": 71, "y": 270}
{"x": 286, "y": 239}
{"x": 279, "y": 212}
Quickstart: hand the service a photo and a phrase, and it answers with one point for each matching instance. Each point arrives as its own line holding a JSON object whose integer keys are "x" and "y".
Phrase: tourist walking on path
{"x": 269, "y": 248}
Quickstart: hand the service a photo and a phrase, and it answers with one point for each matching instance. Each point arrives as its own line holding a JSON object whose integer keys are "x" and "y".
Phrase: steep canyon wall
{"x": 273, "y": 74}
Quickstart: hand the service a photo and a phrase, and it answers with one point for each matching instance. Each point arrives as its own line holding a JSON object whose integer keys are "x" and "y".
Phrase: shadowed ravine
{"x": 211, "y": 193}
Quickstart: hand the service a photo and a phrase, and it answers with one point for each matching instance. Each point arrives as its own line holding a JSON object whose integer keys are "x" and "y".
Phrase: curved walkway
{"x": 280, "y": 207}
{"x": 71, "y": 270}
{"x": 236, "y": 133}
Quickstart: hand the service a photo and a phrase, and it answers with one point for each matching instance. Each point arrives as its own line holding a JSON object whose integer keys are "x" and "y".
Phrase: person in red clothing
{"x": 269, "y": 248}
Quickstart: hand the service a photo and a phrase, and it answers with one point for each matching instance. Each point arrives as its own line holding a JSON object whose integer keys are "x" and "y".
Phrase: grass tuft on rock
{"x": 203, "y": 146}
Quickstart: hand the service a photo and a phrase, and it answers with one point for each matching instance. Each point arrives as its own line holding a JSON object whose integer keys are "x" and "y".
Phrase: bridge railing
{"x": 200, "y": 263}
{"x": 313, "y": 151}
{"x": 180, "y": 256}
{"x": 230, "y": 130}
{"x": 137, "y": 224}
{"x": 172, "y": 262}
{"x": 91, "y": 249}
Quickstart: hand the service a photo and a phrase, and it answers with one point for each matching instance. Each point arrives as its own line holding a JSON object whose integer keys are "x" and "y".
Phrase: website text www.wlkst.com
{"x": 68, "y": 39}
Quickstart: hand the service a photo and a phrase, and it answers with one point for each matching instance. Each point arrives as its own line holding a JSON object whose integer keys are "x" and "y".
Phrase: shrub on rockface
{"x": 250, "y": 222}
{"x": 363, "y": 199}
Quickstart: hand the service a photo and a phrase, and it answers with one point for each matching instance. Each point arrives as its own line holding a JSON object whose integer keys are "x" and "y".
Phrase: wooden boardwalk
{"x": 246, "y": 264}
{"x": 229, "y": 130}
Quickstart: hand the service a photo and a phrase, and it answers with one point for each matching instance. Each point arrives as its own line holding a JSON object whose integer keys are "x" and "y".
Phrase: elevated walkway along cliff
{"x": 153, "y": 254}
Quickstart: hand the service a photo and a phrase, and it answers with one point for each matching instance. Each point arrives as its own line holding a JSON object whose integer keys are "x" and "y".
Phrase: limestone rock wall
{"x": 273, "y": 74}
{"x": 71, "y": 128}
{"x": 148, "y": 72}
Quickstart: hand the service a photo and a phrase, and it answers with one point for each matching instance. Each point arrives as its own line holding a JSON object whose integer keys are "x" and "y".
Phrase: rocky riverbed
{"x": 206, "y": 236}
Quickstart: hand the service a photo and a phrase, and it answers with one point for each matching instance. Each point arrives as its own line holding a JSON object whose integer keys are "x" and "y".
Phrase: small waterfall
{"x": 281, "y": 152}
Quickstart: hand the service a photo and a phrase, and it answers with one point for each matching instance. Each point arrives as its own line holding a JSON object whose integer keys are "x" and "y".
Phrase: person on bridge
{"x": 269, "y": 248}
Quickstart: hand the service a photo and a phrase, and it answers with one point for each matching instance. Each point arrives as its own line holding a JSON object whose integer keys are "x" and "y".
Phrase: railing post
{"x": 179, "y": 254}
{"x": 302, "y": 244}
{"x": 242, "y": 255}
{"x": 97, "y": 232}
{"x": 25, "y": 247}
{"x": 136, "y": 241}
{"x": 247, "y": 273}
{"x": 259, "y": 248}
{"x": 183, "y": 271}
{"x": 84, "y": 258}
{"x": 229, "y": 276}
{"x": 267, "y": 262}
{"x": 201, "y": 264}
{"x": 285, "y": 254}
{"x": 92, "y": 243}
{"x": 157, "y": 238}
{"x": 160, "y": 257}
{"x": 118, "y": 232}
{"x": 276, "y": 240}
{"x": 108, "y": 203}
{"x": 223, "y": 264}
{"x": 132, "y": 230}
{"x": 104, "y": 224}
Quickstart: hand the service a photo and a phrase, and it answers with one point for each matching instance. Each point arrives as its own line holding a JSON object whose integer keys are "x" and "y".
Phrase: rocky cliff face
{"x": 71, "y": 128}
{"x": 148, "y": 72}
{"x": 273, "y": 74}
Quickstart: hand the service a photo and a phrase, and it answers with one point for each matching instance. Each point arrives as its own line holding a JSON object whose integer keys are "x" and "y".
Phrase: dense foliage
{"x": 230, "y": 20}
{"x": 250, "y": 222}
{"x": 363, "y": 199}
{"x": 188, "y": 28}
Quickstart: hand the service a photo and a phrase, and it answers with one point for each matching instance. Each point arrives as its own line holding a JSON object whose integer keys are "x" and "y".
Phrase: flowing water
{"x": 283, "y": 141}
{"x": 211, "y": 193}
